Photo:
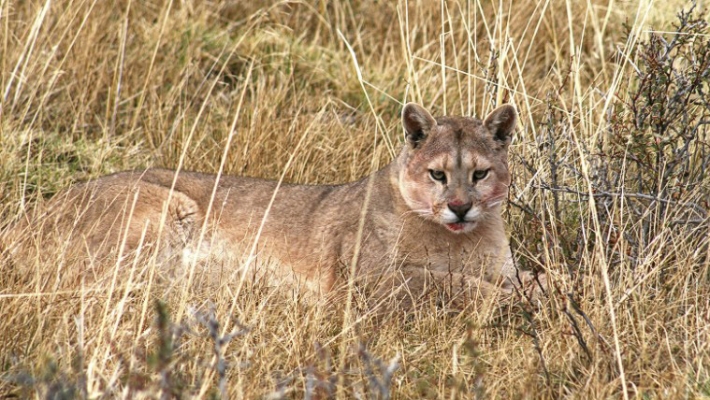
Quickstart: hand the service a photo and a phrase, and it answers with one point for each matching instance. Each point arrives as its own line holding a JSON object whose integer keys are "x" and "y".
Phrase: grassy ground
{"x": 610, "y": 193}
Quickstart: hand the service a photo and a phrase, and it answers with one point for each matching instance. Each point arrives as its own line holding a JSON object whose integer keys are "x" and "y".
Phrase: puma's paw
{"x": 536, "y": 286}
{"x": 533, "y": 287}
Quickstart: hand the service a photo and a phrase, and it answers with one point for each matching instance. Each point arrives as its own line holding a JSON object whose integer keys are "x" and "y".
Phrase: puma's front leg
{"x": 413, "y": 284}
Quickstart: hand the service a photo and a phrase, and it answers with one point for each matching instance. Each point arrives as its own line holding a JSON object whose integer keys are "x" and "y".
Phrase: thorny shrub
{"x": 650, "y": 166}
{"x": 647, "y": 172}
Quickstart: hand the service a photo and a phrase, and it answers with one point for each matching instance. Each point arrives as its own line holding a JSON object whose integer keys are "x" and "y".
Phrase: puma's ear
{"x": 417, "y": 123}
{"x": 501, "y": 123}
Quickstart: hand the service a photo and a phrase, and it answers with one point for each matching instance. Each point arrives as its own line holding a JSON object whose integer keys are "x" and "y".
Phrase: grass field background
{"x": 610, "y": 195}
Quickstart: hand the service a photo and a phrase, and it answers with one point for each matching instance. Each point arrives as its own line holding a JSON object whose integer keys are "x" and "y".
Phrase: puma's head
{"x": 454, "y": 170}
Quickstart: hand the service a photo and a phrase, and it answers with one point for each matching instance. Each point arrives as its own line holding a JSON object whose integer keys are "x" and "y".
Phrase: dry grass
{"x": 92, "y": 87}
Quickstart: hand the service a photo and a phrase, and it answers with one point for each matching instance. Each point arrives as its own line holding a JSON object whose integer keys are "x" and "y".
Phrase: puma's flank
{"x": 429, "y": 222}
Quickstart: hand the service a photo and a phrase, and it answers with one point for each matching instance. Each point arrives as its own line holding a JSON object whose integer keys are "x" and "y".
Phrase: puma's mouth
{"x": 459, "y": 227}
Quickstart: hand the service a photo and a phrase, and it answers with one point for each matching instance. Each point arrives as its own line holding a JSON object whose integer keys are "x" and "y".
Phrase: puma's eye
{"x": 480, "y": 174}
{"x": 438, "y": 176}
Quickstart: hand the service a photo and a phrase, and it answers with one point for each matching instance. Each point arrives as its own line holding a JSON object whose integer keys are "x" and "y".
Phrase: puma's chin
{"x": 461, "y": 227}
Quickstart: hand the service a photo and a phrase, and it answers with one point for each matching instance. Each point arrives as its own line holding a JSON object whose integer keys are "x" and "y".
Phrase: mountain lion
{"x": 427, "y": 223}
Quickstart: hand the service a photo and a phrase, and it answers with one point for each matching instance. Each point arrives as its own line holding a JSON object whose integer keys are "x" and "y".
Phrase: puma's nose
{"x": 460, "y": 209}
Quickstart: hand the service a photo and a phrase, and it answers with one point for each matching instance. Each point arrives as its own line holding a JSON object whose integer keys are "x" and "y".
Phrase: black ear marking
{"x": 417, "y": 123}
{"x": 501, "y": 123}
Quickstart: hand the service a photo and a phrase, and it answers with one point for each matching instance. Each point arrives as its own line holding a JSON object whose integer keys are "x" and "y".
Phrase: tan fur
{"x": 312, "y": 231}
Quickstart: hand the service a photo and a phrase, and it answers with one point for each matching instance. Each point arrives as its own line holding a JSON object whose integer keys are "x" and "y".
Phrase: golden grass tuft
{"x": 88, "y": 88}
